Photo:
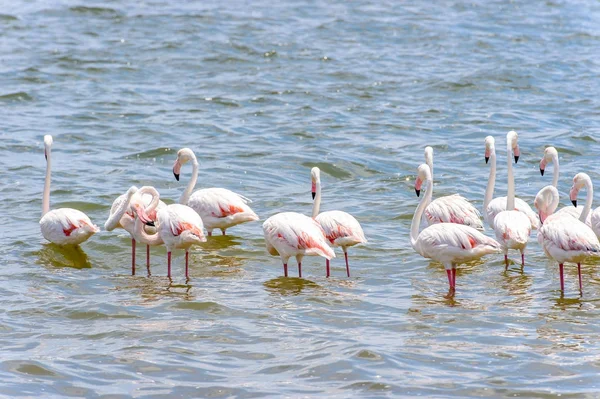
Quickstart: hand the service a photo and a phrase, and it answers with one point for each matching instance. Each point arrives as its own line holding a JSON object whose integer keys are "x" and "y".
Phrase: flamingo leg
{"x": 562, "y": 278}
{"x": 579, "y": 272}
{"x": 209, "y": 233}
{"x": 454, "y": 277}
{"x": 285, "y": 269}
{"x": 506, "y": 261}
{"x": 449, "y": 273}
{"x": 186, "y": 264}
{"x": 148, "y": 257}
{"x": 522, "y": 260}
{"x": 169, "y": 264}
{"x": 223, "y": 230}
{"x": 327, "y": 267}
{"x": 299, "y": 269}
{"x": 347, "y": 265}
{"x": 133, "y": 256}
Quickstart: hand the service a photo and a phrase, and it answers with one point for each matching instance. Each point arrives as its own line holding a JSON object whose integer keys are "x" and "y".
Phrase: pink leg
{"x": 223, "y": 232}
{"x": 347, "y": 265}
{"x": 506, "y": 261}
{"x": 449, "y": 273}
{"x": 148, "y": 257}
{"x": 285, "y": 269}
{"x": 522, "y": 260}
{"x": 133, "y": 256}
{"x": 299, "y": 269}
{"x": 579, "y": 272}
{"x": 562, "y": 278}
{"x": 210, "y": 233}
{"x": 186, "y": 264}
{"x": 169, "y": 264}
{"x": 327, "y": 267}
{"x": 453, "y": 278}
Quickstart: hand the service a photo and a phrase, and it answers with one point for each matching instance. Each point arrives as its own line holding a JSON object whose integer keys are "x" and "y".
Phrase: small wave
{"x": 13, "y": 97}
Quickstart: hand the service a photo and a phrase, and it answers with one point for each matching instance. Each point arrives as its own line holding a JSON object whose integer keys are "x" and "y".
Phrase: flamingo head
{"x": 429, "y": 155}
{"x": 315, "y": 177}
{"x": 513, "y": 138}
{"x": 183, "y": 156}
{"x": 579, "y": 181}
{"x": 47, "y": 145}
{"x": 490, "y": 147}
{"x": 550, "y": 154}
{"x": 546, "y": 202}
{"x": 138, "y": 208}
{"x": 423, "y": 174}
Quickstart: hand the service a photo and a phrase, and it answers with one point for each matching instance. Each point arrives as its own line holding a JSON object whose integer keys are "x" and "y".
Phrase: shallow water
{"x": 262, "y": 92}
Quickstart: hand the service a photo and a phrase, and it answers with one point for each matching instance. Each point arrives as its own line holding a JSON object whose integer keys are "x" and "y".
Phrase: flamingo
{"x": 551, "y": 156}
{"x": 219, "y": 208}
{"x": 448, "y": 243}
{"x": 512, "y": 227}
{"x": 178, "y": 226}
{"x": 564, "y": 238}
{"x": 451, "y": 208}
{"x": 290, "y": 234}
{"x": 492, "y": 207}
{"x": 341, "y": 228}
{"x": 122, "y": 216}
{"x": 63, "y": 226}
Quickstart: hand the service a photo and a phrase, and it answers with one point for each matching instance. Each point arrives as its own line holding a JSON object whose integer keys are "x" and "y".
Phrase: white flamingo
{"x": 492, "y": 207}
{"x": 448, "y": 243}
{"x": 178, "y": 226}
{"x": 290, "y": 234}
{"x": 451, "y": 208}
{"x": 564, "y": 238}
{"x": 512, "y": 227}
{"x": 551, "y": 156}
{"x": 63, "y": 226}
{"x": 122, "y": 216}
{"x": 219, "y": 208}
{"x": 341, "y": 229}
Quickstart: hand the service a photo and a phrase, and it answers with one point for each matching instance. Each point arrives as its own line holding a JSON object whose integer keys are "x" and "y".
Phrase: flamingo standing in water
{"x": 492, "y": 207}
{"x": 448, "y": 243}
{"x": 564, "y": 238}
{"x": 512, "y": 227}
{"x": 178, "y": 226}
{"x": 290, "y": 234}
{"x": 63, "y": 226}
{"x": 219, "y": 208}
{"x": 341, "y": 228}
{"x": 551, "y": 156}
{"x": 122, "y": 216}
{"x": 451, "y": 208}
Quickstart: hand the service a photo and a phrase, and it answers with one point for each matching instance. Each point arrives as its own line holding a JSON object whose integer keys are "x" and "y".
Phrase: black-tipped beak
{"x": 46, "y": 155}
{"x": 542, "y": 171}
{"x": 150, "y": 223}
{"x": 313, "y": 194}
{"x": 176, "y": 176}
{"x": 516, "y": 158}
{"x": 574, "y": 202}
{"x": 418, "y": 192}
{"x": 487, "y": 159}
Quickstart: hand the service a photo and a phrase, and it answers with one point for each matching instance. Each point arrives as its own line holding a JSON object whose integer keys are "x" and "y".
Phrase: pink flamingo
{"x": 290, "y": 234}
{"x": 448, "y": 243}
{"x": 451, "y": 208}
{"x": 492, "y": 207}
{"x": 178, "y": 226}
{"x": 564, "y": 238}
{"x": 63, "y": 226}
{"x": 512, "y": 227}
{"x": 219, "y": 208}
{"x": 341, "y": 228}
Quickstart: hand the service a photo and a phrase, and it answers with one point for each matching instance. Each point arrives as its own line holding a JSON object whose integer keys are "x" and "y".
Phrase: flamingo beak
{"x": 150, "y": 223}
{"x": 141, "y": 213}
{"x": 542, "y": 166}
{"x": 314, "y": 190}
{"x": 487, "y": 159}
{"x": 46, "y": 154}
{"x": 418, "y": 184}
{"x": 542, "y": 171}
{"x": 574, "y": 202}
{"x": 487, "y": 155}
{"x": 517, "y": 154}
{"x": 418, "y": 192}
{"x": 176, "y": 169}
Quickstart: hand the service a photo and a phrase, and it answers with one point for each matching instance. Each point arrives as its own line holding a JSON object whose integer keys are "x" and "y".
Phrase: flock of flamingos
{"x": 453, "y": 235}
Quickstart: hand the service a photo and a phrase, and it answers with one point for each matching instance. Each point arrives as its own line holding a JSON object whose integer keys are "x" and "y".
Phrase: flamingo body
{"x": 453, "y": 209}
{"x": 512, "y": 230}
{"x": 498, "y": 205}
{"x": 341, "y": 229}
{"x": 179, "y": 226}
{"x": 565, "y": 239}
{"x": 66, "y": 226}
{"x": 220, "y": 208}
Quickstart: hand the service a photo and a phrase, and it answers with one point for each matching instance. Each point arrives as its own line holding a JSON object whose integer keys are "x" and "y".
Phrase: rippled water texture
{"x": 263, "y": 91}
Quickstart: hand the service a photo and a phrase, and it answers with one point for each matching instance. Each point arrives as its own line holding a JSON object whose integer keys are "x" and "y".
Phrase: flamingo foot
{"x": 347, "y": 265}
{"x": 579, "y": 272}
{"x": 562, "y": 278}
{"x": 133, "y": 256}
{"x": 285, "y": 270}
{"x": 327, "y": 267}
{"x": 169, "y": 264}
{"x": 299, "y": 269}
{"x": 186, "y": 264}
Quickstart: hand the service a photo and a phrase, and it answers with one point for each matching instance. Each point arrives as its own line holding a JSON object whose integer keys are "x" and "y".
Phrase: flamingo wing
{"x": 341, "y": 228}
{"x": 575, "y": 213}
{"x": 453, "y": 209}
{"x": 218, "y": 203}
{"x": 513, "y": 228}
{"x": 498, "y": 205}
{"x": 568, "y": 234}
{"x": 180, "y": 218}
{"x": 448, "y": 242}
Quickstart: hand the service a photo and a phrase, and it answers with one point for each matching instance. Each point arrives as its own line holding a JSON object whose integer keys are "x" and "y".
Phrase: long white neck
{"x": 416, "y": 221}
{"x": 185, "y": 196}
{"x": 588, "y": 200}
{"x": 510, "y": 197}
{"x": 317, "y": 201}
{"x": 149, "y": 239}
{"x": 555, "y": 172}
{"x": 116, "y": 217}
{"x": 46, "y": 196}
{"x": 489, "y": 191}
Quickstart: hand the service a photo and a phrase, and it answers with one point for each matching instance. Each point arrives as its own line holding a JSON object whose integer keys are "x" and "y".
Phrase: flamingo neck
{"x": 154, "y": 202}
{"x": 588, "y": 200}
{"x": 555, "y": 172}
{"x": 317, "y": 201}
{"x": 117, "y": 216}
{"x": 185, "y": 196}
{"x": 46, "y": 195}
{"x": 489, "y": 191}
{"x": 140, "y": 233}
{"x": 510, "y": 197}
{"x": 416, "y": 221}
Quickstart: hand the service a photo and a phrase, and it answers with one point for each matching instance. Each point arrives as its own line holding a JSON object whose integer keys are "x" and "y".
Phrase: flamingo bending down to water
{"x": 219, "y": 208}
{"x": 341, "y": 229}
{"x": 551, "y": 156}
{"x": 290, "y": 234}
{"x": 63, "y": 226}
{"x": 492, "y": 207}
{"x": 448, "y": 243}
{"x": 512, "y": 227}
{"x": 564, "y": 238}
{"x": 178, "y": 226}
{"x": 451, "y": 208}
{"x": 122, "y": 215}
